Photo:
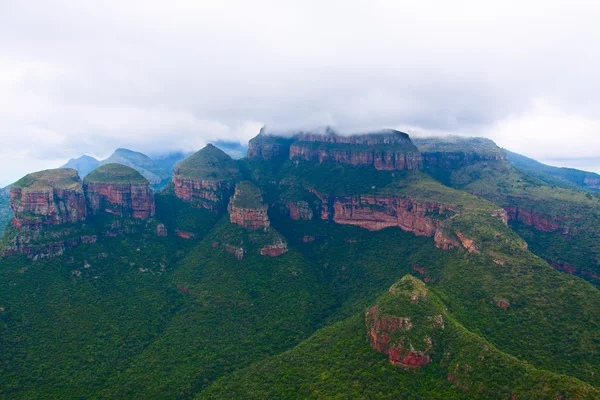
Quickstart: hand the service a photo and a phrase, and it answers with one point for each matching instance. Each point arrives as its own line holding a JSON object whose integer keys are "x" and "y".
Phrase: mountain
{"x": 155, "y": 174}
{"x": 568, "y": 178}
{"x": 235, "y": 150}
{"x": 560, "y": 224}
{"x": 5, "y": 211}
{"x": 320, "y": 266}
{"x": 83, "y": 164}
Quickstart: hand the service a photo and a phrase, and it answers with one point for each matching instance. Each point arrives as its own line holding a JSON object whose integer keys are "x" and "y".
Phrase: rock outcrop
{"x": 51, "y": 197}
{"x": 246, "y": 207}
{"x": 406, "y": 339}
{"x": 379, "y": 212}
{"x": 540, "y": 221}
{"x": 206, "y": 179}
{"x": 119, "y": 190}
{"x": 386, "y": 150}
{"x": 458, "y": 159}
{"x": 454, "y": 152}
{"x": 266, "y": 147}
{"x": 423, "y": 218}
{"x": 278, "y": 248}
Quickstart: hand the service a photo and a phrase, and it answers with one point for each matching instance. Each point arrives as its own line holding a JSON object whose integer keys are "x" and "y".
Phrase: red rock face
{"x": 298, "y": 210}
{"x": 184, "y": 234}
{"x": 379, "y": 212}
{"x": 126, "y": 200}
{"x": 354, "y": 150}
{"x": 210, "y": 194}
{"x": 275, "y": 249}
{"x": 538, "y": 220}
{"x": 381, "y": 160}
{"x": 26, "y": 245}
{"x": 36, "y": 208}
{"x": 455, "y": 160}
{"x": 380, "y": 330}
{"x": 268, "y": 148}
{"x": 571, "y": 269}
{"x": 249, "y": 218}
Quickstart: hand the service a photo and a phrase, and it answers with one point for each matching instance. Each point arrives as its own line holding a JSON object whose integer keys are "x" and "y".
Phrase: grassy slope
{"x": 248, "y": 195}
{"x": 60, "y": 178}
{"x": 568, "y": 178}
{"x": 209, "y": 163}
{"x": 508, "y": 186}
{"x": 337, "y": 362}
{"x": 115, "y": 173}
{"x": 227, "y": 314}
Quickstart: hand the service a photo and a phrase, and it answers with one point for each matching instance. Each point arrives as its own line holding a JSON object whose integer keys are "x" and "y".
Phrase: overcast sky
{"x": 89, "y": 76}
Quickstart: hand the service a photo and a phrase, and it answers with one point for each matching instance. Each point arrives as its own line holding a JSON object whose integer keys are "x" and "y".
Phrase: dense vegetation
{"x": 147, "y": 316}
{"x": 60, "y": 178}
{"x": 115, "y": 173}
{"x": 209, "y": 163}
{"x": 568, "y": 178}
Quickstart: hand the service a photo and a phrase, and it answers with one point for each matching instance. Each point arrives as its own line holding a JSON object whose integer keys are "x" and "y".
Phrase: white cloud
{"x": 155, "y": 75}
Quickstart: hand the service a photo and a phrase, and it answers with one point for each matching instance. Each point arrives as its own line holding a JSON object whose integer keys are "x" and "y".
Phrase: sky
{"x": 86, "y": 77}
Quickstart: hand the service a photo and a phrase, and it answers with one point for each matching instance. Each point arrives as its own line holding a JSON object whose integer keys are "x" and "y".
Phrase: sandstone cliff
{"x": 386, "y": 150}
{"x": 246, "y": 207}
{"x": 50, "y": 197}
{"x": 206, "y": 179}
{"x": 408, "y": 338}
{"x": 267, "y": 147}
{"x": 454, "y": 152}
{"x": 119, "y": 190}
{"x": 540, "y": 221}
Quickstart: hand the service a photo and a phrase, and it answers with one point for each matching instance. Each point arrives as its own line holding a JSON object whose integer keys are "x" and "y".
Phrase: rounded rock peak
{"x": 115, "y": 173}
{"x": 209, "y": 163}
{"x": 58, "y": 178}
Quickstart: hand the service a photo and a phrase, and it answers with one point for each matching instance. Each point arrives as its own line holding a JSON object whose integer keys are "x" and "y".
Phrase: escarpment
{"x": 386, "y": 150}
{"x": 539, "y": 220}
{"x": 404, "y": 324}
{"x": 206, "y": 179}
{"x": 248, "y": 211}
{"x": 267, "y": 147}
{"x": 50, "y": 197}
{"x": 119, "y": 190}
{"x": 246, "y": 207}
{"x": 52, "y": 209}
{"x": 423, "y": 218}
{"x": 47, "y": 205}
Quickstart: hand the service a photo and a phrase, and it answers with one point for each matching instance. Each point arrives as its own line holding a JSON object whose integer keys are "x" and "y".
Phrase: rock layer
{"x": 458, "y": 159}
{"x": 539, "y": 221}
{"x": 388, "y": 150}
{"x": 246, "y": 208}
{"x": 206, "y": 179}
{"x": 123, "y": 199}
{"x": 51, "y": 197}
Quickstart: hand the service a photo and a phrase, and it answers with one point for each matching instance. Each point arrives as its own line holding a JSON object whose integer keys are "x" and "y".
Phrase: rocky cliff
{"x": 386, "y": 150}
{"x": 268, "y": 147}
{"x": 246, "y": 207}
{"x": 455, "y": 152}
{"x": 50, "y": 197}
{"x": 540, "y": 221}
{"x": 408, "y": 338}
{"x": 119, "y": 190}
{"x": 206, "y": 179}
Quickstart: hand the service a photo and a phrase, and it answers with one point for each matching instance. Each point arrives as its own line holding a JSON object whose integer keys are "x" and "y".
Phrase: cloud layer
{"x": 88, "y": 76}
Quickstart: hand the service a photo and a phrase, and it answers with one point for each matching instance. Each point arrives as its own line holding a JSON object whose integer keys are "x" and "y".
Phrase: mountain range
{"x": 367, "y": 266}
